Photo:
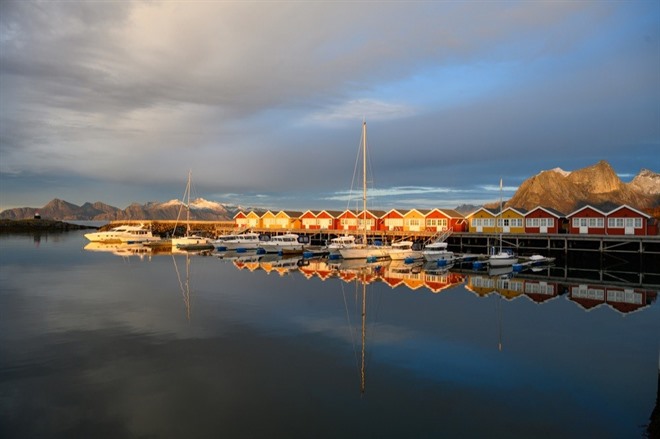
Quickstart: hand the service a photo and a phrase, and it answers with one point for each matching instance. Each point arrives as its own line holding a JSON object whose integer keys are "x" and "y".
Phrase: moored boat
{"x": 126, "y": 233}
{"x": 287, "y": 243}
{"x": 403, "y": 250}
{"x": 248, "y": 240}
{"x": 437, "y": 252}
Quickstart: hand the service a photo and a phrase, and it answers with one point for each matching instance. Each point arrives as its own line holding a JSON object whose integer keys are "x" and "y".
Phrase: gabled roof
{"x": 489, "y": 211}
{"x": 332, "y": 213}
{"x": 631, "y": 208}
{"x": 421, "y": 212}
{"x": 549, "y": 210}
{"x": 239, "y": 213}
{"x": 518, "y": 210}
{"x": 291, "y": 213}
{"x": 586, "y": 207}
{"x": 451, "y": 213}
{"x": 399, "y": 211}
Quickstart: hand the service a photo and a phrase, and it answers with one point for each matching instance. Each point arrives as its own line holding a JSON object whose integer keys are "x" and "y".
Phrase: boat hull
{"x": 435, "y": 256}
{"x": 502, "y": 261}
{"x": 364, "y": 253}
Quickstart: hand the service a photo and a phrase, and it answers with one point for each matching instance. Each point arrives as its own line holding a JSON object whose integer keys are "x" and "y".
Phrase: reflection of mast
{"x": 364, "y": 335}
{"x": 499, "y": 321}
{"x": 653, "y": 429}
{"x": 185, "y": 289}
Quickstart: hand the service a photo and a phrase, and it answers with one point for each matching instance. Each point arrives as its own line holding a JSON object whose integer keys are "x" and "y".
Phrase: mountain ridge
{"x": 565, "y": 191}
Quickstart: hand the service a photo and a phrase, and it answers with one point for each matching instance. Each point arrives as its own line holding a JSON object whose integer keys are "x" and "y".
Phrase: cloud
{"x": 266, "y": 98}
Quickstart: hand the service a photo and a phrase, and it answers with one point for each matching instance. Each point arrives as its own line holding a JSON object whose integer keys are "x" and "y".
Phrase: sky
{"x": 263, "y": 101}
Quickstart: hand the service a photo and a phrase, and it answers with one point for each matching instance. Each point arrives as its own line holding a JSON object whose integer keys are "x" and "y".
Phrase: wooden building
{"x": 587, "y": 220}
{"x": 626, "y": 220}
{"x": 543, "y": 220}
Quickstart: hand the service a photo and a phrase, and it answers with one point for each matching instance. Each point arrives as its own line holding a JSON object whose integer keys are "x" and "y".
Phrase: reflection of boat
{"x": 357, "y": 265}
{"x": 126, "y": 233}
{"x": 282, "y": 265}
{"x": 287, "y": 243}
{"x": 119, "y": 249}
{"x": 248, "y": 240}
{"x": 190, "y": 241}
{"x": 364, "y": 250}
{"x": 403, "y": 250}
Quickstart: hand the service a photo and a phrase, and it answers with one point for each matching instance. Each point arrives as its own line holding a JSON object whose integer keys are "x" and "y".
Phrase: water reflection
{"x": 536, "y": 284}
{"x": 93, "y": 346}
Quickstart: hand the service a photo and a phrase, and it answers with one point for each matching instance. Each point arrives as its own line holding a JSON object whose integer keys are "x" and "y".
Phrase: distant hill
{"x": 200, "y": 209}
{"x": 596, "y": 185}
{"x": 565, "y": 191}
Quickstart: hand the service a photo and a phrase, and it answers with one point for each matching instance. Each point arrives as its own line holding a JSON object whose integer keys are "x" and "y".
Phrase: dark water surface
{"x": 95, "y": 345}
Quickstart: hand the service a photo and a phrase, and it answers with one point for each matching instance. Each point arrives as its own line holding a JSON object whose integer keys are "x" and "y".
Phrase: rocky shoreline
{"x": 38, "y": 225}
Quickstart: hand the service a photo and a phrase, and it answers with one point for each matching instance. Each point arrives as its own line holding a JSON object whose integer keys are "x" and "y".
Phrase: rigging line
{"x": 355, "y": 174}
{"x": 183, "y": 290}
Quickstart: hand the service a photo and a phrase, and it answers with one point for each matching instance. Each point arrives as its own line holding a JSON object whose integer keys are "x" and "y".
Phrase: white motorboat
{"x": 287, "y": 243}
{"x": 130, "y": 234}
{"x": 246, "y": 241}
{"x": 437, "y": 252}
{"x": 403, "y": 250}
{"x": 346, "y": 241}
{"x": 364, "y": 250}
{"x": 503, "y": 258}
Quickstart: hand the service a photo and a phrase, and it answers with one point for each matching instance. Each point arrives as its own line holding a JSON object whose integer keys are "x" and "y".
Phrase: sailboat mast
{"x": 364, "y": 182}
{"x": 188, "y": 205}
{"x": 500, "y": 216}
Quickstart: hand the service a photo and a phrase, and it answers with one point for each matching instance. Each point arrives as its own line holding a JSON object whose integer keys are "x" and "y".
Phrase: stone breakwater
{"x": 38, "y": 225}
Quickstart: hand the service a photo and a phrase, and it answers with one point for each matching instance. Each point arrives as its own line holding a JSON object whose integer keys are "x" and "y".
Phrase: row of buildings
{"x": 623, "y": 220}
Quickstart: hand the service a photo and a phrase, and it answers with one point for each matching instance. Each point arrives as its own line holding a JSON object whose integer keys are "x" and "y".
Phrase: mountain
{"x": 200, "y": 209}
{"x": 596, "y": 185}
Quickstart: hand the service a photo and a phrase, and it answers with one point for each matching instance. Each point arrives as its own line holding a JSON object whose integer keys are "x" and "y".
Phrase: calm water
{"x": 93, "y": 344}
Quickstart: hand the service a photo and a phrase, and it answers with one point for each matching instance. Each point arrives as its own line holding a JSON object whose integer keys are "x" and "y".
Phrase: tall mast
{"x": 364, "y": 182}
{"x": 501, "y": 221}
{"x": 188, "y": 204}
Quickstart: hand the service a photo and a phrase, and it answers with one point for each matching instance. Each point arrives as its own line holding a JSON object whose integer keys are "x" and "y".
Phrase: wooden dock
{"x": 477, "y": 243}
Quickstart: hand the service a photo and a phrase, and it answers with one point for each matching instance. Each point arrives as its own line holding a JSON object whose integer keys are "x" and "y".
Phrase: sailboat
{"x": 364, "y": 250}
{"x": 190, "y": 241}
{"x": 503, "y": 258}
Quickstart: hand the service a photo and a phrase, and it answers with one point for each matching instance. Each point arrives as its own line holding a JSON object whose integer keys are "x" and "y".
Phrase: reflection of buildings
{"x": 587, "y": 296}
{"x": 280, "y": 265}
{"x": 623, "y": 300}
{"x": 316, "y": 267}
{"x": 414, "y": 277}
{"x": 538, "y": 288}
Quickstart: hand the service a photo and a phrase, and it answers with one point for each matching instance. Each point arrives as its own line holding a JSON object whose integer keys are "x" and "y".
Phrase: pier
{"x": 477, "y": 243}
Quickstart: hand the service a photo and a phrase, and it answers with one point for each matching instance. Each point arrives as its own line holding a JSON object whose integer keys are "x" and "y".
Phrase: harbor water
{"x": 125, "y": 343}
